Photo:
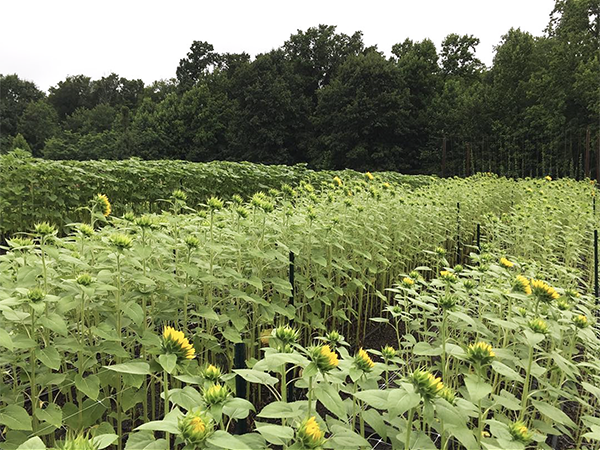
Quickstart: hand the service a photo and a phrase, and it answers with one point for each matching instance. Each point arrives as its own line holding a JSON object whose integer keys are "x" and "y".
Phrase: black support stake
{"x": 596, "y": 267}
{"x": 239, "y": 362}
{"x": 458, "y": 256}
{"x": 479, "y": 237}
{"x": 291, "y": 274}
{"x": 290, "y": 386}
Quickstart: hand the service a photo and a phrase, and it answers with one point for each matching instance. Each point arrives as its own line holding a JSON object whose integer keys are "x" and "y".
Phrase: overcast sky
{"x": 46, "y": 40}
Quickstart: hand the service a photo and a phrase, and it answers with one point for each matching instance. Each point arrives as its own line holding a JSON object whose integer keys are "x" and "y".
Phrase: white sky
{"x": 45, "y": 40}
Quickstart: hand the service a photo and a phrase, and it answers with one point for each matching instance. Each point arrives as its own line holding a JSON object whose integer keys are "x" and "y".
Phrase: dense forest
{"x": 326, "y": 99}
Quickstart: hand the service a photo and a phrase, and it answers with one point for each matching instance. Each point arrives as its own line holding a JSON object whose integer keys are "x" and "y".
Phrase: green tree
{"x": 38, "y": 123}
{"x": 361, "y": 116}
{"x": 15, "y": 95}
{"x": 199, "y": 62}
{"x": 96, "y": 120}
{"x": 417, "y": 63}
{"x": 268, "y": 117}
{"x": 458, "y": 56}
{"x": 72, "y": 93}
{"x": 19, "y": 142}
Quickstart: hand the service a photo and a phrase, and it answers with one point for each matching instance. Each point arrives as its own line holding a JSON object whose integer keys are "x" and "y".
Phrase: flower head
{"x": 285, "y": 337}
{"x": 548, "y": 178}
{"x": 310, "y": 434}
{"x": 175, "y": 342}
{"x": 337, "y": 180}
{"x": 334, "y": 339}
{"x": 506, "y": 263}
{"x": 408, "y": 282}
{"x": 543, "y": 291}
{"x": 363, "y": 361}
{"x": 563, "y": 304}
{"x": 216, "y": 394}
{"x": 447, "y": 394}
{"x": 426, "y": 384}
{"x": 388, "y": 352}
{"x": 521, "y": 284}
{"x": 195, "y": 427}
{"x": 180, "y": 195}
{"x": 211, "y": 373}
{"x": 324, "y": 358}
{"x": 35, "y": 295}
{"x": 480, "y": 353}
{"x": 78, "y": 442}
{"x": 447, "y": 302}
{"x": 288, "y": 190}
{"x": 519, "y": 432}
{"x": 85, "y": 279}
{"x": 104, "y": 205}
{"x": 538, "y": 326}
{"x": 581, "y": 321}
{"x": 369, "y": 175}
{"x": 144, "y": 222}
{"x": 192, "y": 241}
{"x": 85, "y": 229}
{"x": 214, "y": 203}
{"x": 121, "y": 241}
{"x": 44, "y": 229}
{"x": 19, "y": 243}
{"x": 448, "y": 277}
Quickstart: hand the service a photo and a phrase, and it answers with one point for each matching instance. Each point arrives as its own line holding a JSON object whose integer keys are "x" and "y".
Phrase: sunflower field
{"x": 344, "y": 311}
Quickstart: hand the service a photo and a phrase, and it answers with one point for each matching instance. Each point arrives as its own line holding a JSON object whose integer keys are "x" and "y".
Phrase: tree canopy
{"x": 325, "y": 99}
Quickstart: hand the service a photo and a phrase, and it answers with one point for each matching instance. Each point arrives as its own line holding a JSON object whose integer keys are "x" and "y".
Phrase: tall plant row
{"x": 124, "y": 328}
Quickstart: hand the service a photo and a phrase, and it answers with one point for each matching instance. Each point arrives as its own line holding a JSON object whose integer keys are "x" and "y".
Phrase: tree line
{"x": 326, "y": 99}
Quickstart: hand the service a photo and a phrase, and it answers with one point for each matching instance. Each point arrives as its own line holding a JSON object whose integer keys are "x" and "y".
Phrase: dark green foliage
{"x": 325, "y": 99}
{"x": 34, "y": 190}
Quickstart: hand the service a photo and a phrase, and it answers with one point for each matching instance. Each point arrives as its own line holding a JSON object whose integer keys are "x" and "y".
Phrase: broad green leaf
{"x": 49, "y": 357}
{"x": 144, "y": 440}
{"x": 188, "y": 398}
{"x": 222, "y": 439}
{"x": 254, "y": 376}
{"x": 56, "y": 323}
{"x": 477, "y": 388}
{"x": 507, "y": 372}
{"x": 6, "y": 340}
{"x": 553, "y": 413}
{"x": 237, "y": 408}
{"x": 135, "y": 368}
{"x": 375, "y": 398}
{"x": 35, "y": 443}
{"x": 168, "y": 362}
{"x": 15, "y": 418}
{"x": 104, "y": 440}
{"x": 329, "y": 396}
{"x": 169, "y": 423}
{"x": 51, "y": 414}
{"x": 275, "y": 434}
{"x": 90, "y": 385}
{"x": 280, "y": 410}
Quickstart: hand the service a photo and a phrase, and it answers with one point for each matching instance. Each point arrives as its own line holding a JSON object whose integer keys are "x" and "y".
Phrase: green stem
{"x": 310, "y": 394}
{"x": 32, "y": 358}
{"x": 409, "y": 428}
{"x": 166, "y": 395}
{"x": 119, "y": 379}
{"x": 526, "y": 385}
